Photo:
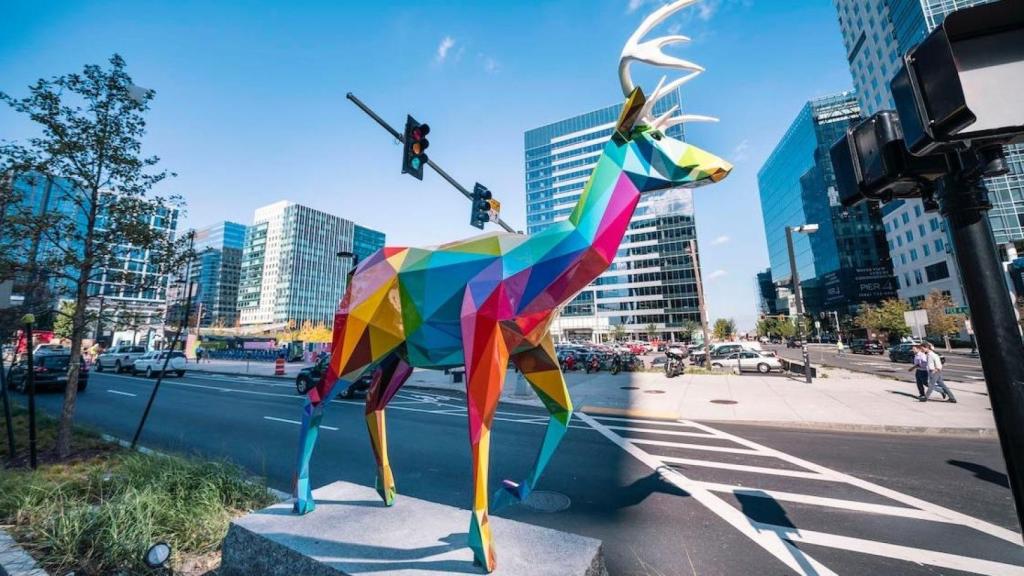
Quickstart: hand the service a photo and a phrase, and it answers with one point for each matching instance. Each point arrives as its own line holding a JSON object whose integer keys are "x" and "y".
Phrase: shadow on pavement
{"x": 765, "y": 514}
{"x": 364, "y": 558}
{"x": 641, "y": 488}
{"x": 982, "y": 472}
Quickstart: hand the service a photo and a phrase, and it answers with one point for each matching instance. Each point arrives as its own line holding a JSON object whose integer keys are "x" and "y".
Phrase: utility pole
{"x": 397, "y": 136}
{"x": 700, "y": 300}
{"x": 168, "y": 350}
{"x": 30, "y": 375}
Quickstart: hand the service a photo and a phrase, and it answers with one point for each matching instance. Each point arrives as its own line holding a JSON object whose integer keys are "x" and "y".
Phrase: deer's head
{"x": 654, "y": 160}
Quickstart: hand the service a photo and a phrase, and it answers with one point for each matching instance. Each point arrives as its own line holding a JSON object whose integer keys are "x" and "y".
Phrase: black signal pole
{"x": 398, "y": 136}
{"x": 965, "y": 204}
{"x": 4, "y": 382}
{"x": 29, "y": 319}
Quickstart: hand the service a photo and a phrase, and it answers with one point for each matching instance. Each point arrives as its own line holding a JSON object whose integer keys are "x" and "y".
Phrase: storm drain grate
{"x": 547, "y": 501}
{"x": 654, "y": 391}
{"x": 724, "y": 402}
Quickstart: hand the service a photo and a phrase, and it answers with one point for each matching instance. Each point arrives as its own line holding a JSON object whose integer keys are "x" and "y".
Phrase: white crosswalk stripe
{"x": 786, "y": 543}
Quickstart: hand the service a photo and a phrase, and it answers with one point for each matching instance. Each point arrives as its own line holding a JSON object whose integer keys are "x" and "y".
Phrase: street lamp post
{"x": 795, "y": 279}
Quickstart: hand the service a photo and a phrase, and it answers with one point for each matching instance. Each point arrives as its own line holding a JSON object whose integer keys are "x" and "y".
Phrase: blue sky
{"x": 251, "y": 107}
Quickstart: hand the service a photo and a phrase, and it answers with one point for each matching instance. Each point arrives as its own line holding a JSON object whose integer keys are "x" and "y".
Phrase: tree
{"x": 652, "y": 331}
{"x": 724, "y": 328}
{"x": 786, "y": 329}
{"x": 887, "y": 317}
{"x": 687, "y": 327}
{"x": 89, "y": 153}
{"x": 940, "y": 323}
{"x": 62, "y": 322}
{"x": 619, "y": 332}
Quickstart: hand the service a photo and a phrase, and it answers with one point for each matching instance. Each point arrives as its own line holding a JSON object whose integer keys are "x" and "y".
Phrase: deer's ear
{"x": 630, "y": 114}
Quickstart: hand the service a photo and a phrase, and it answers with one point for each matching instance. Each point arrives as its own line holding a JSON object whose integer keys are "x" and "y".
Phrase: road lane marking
{"x": 745, "y": 468}
{"x": 907, "y": 553}
{"x": 667, "y": 432}
{"x": 676, "y": 423}
{"x": 954, "y": 516}
{"x": 687, "y": 446}
{"x": 825, "y": 501}
{"x": 121, "y": 393}
{"x": 285, "y": 420}
{"x": 782, "y": 549}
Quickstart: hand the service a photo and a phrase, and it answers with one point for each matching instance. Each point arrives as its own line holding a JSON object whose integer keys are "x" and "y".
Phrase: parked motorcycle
{"x": 673, "y": 362}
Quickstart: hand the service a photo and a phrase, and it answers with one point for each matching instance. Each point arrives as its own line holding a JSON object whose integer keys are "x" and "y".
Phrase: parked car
{"x": 794, "y": 343}
{"x": 152, "y": 363}
{"x": 308, "y": 377}
{"x": 119, "y": 358}
{"x": 862, "y": 346}
{"x": 51, "y": 371}
{"x": 51, "y": 349}
{"x": 748, "y": 360}
{"x": 904, "y": 353}
{"x": 723, "y": 350}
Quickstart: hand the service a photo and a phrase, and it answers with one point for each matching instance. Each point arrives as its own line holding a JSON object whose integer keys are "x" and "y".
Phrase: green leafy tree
{"x": 62, "y": 325}
{"x": 940, "y": 323}
{"x": 886, "y": 317}
{"x": 89, "y": 153}
{"x": 786, "y": 328}
{"x": 652, "y": 331}
{"x": 724, "y": 328}
{"x": 619, "y": 332}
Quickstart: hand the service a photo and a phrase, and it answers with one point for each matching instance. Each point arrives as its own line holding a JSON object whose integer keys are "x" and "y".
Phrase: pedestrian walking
{"x": 199, "y": 355}
{"x": 935, "y": 379}
{"x": 920, "y": 369}
{"x": 840, "y": 347}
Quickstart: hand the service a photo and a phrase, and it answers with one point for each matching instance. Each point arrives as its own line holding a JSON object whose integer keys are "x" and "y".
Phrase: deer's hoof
{"x": 480, "y": 542}
{"x": 304, "y": 506}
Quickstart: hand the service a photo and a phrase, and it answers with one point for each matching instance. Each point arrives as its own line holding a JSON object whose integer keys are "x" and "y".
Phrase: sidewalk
{"x": 843, "y": 400}
{"x": 291, "y": 369}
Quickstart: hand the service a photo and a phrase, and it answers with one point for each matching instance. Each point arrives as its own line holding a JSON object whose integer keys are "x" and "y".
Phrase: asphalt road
{"x": 958, "y": 367}
{"x": 666, "y": 498}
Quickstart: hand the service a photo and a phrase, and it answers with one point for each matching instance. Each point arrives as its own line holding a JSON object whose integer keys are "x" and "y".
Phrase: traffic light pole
{"x": 431, "y": 163}
{"x": 965, "y": 204}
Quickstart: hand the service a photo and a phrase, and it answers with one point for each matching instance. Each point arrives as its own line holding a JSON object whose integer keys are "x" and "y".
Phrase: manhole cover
{"x": 724, "y": 402}
{"x": 547, "y": 501}
{"x": 654, "y": 391}
{"x": 628, "y": 388}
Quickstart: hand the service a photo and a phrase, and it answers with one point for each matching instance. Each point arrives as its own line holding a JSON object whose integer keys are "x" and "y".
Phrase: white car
{"x": 749, "y": 360}
{"x": 119, "y": 358}
{"x": 152, "y": 363}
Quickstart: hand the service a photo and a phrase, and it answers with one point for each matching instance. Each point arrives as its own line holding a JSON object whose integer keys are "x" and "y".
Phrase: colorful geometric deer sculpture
{"x": 488, "y": 300}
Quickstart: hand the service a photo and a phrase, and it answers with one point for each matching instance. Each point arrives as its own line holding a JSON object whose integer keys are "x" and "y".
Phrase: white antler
{"x": 650, "y": 52}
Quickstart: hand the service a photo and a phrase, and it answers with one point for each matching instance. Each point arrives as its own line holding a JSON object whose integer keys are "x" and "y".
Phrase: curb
{"x": 14, "y": 561}
{"x": 984, "y": 433}
{"x": 249, "y": 374}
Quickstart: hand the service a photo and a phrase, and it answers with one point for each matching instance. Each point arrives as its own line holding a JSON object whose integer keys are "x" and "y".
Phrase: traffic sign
{"x": 962, "y": 310}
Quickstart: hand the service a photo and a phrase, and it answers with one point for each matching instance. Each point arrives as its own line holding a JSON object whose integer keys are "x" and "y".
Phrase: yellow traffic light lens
{"x": 416, "y": 149}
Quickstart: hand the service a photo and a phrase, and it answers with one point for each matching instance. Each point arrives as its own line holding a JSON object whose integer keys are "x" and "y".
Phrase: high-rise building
{"x": 846, "y": 261}
{"x": 290, "y": 266}
{"x": 218, "y": 271}
{"x": 126, "y": 304}
{"x": 876, "y": 35}
{"x": 649, "y": 289}
{"x": 771, "y": 298}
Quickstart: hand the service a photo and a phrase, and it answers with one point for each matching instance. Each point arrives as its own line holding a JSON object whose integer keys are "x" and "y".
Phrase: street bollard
{"x": 807, "y": 365}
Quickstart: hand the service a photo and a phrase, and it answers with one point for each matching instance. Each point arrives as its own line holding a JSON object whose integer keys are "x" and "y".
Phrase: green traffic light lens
{"x": 415, "y": 163}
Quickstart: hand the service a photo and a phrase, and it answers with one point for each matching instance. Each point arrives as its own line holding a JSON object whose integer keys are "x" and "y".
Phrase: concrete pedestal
{"x": 352, "y": 533}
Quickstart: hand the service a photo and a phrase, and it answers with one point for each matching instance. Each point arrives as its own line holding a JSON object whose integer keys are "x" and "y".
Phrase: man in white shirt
{"x": 935, "y": 375}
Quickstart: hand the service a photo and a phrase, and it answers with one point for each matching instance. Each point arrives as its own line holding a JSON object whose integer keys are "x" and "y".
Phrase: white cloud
{"x": 490, "y": 65}
{"x": 635, "y": 5}
{"x": 706, "y": 9}
{"x": 720, "y": 240}
{"x": 442, "y": 49}
{"x": 717, "y": 274}
{"x": 739, "y": 153}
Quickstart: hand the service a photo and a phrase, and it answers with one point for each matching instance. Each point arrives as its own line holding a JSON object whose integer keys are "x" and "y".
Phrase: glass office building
{"x": 846, "y": 261}
{"x": 649, "y": 289}
{"x": 876, "y": 34}
{"x": 290, "y": 266}
{"x": 140, "y": 301}
{"x": 218, "y": 271}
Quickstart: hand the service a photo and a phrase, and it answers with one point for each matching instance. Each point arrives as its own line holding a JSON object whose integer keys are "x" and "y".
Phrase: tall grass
{"x": 100, "y": 514}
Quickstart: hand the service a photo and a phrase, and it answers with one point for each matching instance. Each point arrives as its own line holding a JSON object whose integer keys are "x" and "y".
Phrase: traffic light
{"x": 414, "y": 155}
{"x": 481, "y": 206}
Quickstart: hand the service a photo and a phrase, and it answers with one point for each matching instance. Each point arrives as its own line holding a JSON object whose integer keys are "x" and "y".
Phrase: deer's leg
{"x": 387, "y": 379}
{"x": 540, "y": 368}
{"x": 486, "y": 363}
{"x": 312, "y": 414}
